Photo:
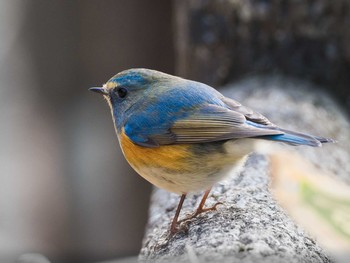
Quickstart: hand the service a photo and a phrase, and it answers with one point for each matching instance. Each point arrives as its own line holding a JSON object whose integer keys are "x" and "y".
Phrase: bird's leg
{"x": 174, "y": 225}
{"x": 201, "y": 208}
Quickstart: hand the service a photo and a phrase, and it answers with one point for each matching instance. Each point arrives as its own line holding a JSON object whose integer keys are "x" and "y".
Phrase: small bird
{"x": 184, "y": 136}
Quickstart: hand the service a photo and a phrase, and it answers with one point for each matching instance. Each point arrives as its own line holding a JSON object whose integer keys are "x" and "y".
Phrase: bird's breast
{"x": 169, "y": 157}
{"x": 181, "y": 168}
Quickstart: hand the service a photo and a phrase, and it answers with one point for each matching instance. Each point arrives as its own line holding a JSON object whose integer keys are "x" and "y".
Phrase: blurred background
{"x": 65, "y": 189}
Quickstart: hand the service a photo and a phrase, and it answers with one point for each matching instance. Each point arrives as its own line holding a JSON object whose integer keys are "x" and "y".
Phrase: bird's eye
{"x": 122, "y": 92}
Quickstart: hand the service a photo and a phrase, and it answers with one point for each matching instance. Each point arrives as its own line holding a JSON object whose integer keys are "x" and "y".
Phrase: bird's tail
{"x": 297, "y": 138}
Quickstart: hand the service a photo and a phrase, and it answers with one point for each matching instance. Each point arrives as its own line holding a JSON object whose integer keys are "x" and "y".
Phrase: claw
{"x": 213, "y": 208}
{"x": 200, "y": 211}
{"x": 180, "y": 227}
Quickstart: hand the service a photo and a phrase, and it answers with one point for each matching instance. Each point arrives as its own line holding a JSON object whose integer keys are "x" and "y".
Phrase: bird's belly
{"x": 184, "y": 182}
{"x": 182, "y": 168}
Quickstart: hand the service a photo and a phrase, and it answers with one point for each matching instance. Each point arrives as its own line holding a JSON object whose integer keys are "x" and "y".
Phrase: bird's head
{"x": 130, "y": 87}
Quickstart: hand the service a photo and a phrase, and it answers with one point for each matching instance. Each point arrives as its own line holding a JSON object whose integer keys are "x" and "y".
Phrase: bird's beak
{"x": 100, "y": 90}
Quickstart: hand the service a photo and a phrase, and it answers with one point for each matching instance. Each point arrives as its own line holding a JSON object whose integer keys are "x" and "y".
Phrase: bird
{"x": 184, "y": 136}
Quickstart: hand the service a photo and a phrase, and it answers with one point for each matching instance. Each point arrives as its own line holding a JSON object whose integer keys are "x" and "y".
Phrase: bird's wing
{"x": 248, "y": 113}
{"x": 216, "y": 123}
{"x": 207, "y": 123}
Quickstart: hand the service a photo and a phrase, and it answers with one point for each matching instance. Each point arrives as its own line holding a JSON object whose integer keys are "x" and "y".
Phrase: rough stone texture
{"x": 250, "y": 226}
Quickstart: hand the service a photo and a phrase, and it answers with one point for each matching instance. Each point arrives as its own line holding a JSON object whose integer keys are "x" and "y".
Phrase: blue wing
{"x": 199, "y": 114}
{"x": 193, "y": 114}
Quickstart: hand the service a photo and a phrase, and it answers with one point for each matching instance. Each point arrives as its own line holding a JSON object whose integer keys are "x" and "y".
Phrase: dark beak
{"x": 100, "y": 90}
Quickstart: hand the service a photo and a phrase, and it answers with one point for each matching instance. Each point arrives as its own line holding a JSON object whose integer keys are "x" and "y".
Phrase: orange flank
{"x": 178, "y": 168}
{"x": 171, "y": 157}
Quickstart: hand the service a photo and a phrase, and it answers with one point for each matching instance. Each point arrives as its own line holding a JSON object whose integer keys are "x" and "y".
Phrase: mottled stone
{"x": 250, "y": 226}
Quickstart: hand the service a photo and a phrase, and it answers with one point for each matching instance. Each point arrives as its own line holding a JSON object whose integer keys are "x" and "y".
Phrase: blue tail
{"x": 296, "y": 138}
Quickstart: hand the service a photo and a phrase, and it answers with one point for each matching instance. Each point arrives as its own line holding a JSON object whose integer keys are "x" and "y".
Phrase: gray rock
{"x": 250, "y": 226}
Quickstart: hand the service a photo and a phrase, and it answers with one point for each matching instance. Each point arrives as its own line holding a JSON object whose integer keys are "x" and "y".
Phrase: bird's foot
{"x": 180, "y": 227}
{"x": 199, "y": 211}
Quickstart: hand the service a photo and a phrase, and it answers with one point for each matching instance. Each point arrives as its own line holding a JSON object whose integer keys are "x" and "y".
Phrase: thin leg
{"x": 201, "y": 208}
{"x": 173, "y": 227}
{"x": 204, "y": 198}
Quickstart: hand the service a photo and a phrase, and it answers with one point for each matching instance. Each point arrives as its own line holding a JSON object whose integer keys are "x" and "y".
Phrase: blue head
{"x": 130, "y": 88}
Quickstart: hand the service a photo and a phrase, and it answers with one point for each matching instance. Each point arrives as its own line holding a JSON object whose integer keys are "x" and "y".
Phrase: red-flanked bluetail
{"x": 184, "y": 136}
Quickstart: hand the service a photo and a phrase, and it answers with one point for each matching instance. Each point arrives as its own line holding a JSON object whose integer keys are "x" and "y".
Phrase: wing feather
{"x": 247, "y": 112}
{"x": 212, "y": 123}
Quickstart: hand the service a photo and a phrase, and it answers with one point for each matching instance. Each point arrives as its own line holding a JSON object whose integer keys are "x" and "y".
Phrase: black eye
{"x": 122, "y": 92}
